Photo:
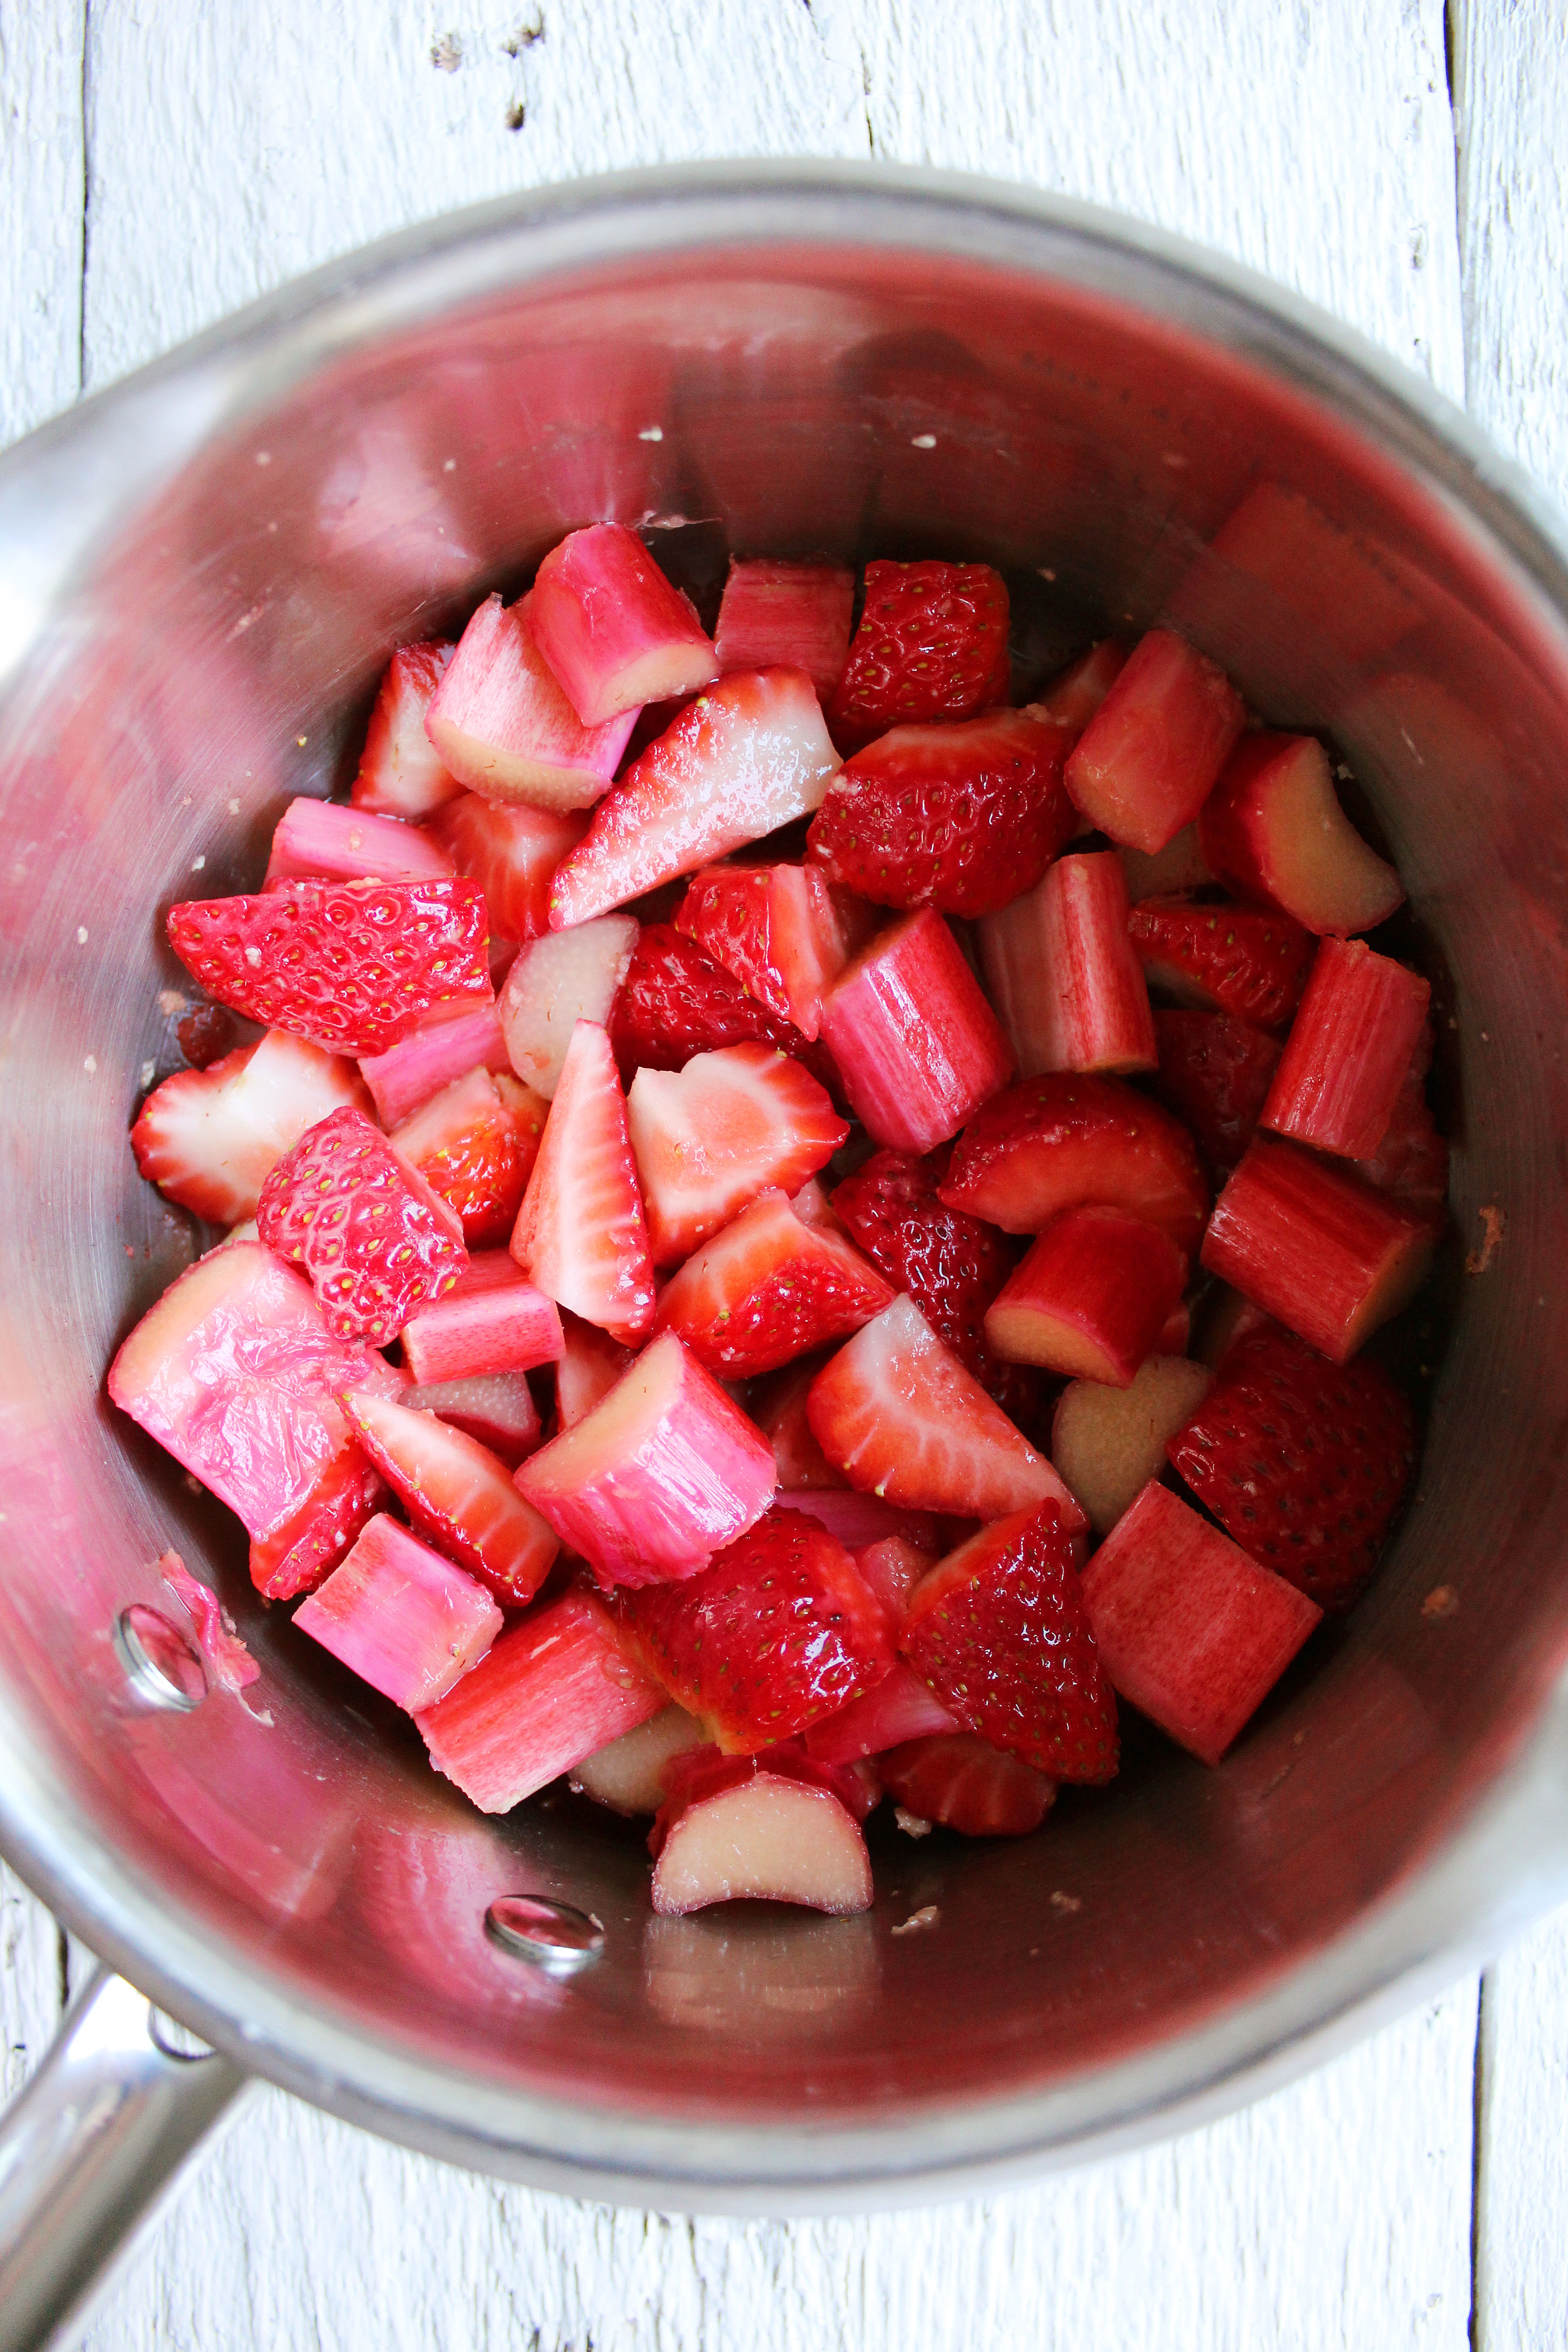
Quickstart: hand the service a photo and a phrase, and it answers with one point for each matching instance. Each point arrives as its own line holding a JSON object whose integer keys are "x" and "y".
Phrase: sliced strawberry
{"x": 783, "y": 931}
{"x": 459, "y": 1493}
{"x": 1305, "y": 1464}
{"x": 767, "y": 1289}
{"x": 512, "y": 855}
{"x": 400, "y": 771}
{"x": 295, "y": 1555}
{"x": 581, "y": 1233}
{"x": 777, "y": 1631}
{"x": 797, "y": 614}
{"x": 951, "y": 1265}
{"x": 778, "y": 1408}
{"x": 588, "y": 1369}
{"x": 1064, "y": 1141}
{"x": 472, "y": 1148}
{"x": 207, "y": 1139}
{"x": 899, "y": 1415}
{"x": 674, "y": 1002}
{"x": 373, "y": 1238}
{"x": 496, "y": 1408}
{"x": 709, "y": 1138}
{"x": 998, "y": 1631}
{"x": 1223, "y": 958}
{"x": 963, "y": 817}
{"x": 350, "y": 966}
{"x": 1215, "y": 1073}
{"x": 1075, "y": 693}
{"x": 932, "y": 643}
{"x": 960, "y": 1780}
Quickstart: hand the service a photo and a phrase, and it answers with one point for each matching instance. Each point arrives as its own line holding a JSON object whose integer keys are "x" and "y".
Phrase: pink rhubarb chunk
{"x": 917, "y": 1045}
{"x": 1092, "y": 1299}
{"x": 408, "y": 1074}
{"x": 400, "y": 771}
{"x": 502, "y": 724}
{"x": 1274, "y": 832}
{"x": 508, "y": 1328}
{"x": 512, "y": 855}
{"x": 794, "y": 615}
{"x": 662, "y": 1474}
{"x": 899, "y": 1707}
{"x": 1065, "y": 977}
{"x": 496, "y": 1408}
{"x": 558, "y": 980}
{"x": 1349, "y": 1049}
{"x": 345, "y": 844}
{"x": 1148, "y": 759}
{"x": 612, "y": 628}
{"x": 401, "y": 1617}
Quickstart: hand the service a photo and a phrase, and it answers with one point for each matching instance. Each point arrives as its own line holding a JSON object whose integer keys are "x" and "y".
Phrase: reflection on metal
{"x": 549, "y": 1936}
{"x": 161, "y": 1664}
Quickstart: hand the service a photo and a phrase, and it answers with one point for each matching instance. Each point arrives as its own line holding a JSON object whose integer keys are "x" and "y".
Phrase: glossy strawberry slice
{"x": 512, "y": 855}
{"x": 581, "y": 1233}
{"x": 1305, "y": 1464}
{"x": 588, "y": 1369}
{"x": 458, "y": 1493}
{"x": 375, "y": 1241}
{"x": 1215, "y": 1073}
{"x": 674, "y": 1002}
{"x": 350, "y": 966}
{"x": 899, "y": 1415}
{"x": 998, "y": 1631}
{"x": 400, "y": 771}
{"x": 474, "y": 1149}
{"x": 767, "y": 1289}
{"x": 961, "y": 817}
{"x": 780, "y": 930}
{"x": 208, "y": 1138}
{"x": 960, "y": 1780}
{"x": 778, "y": 1408}
{"x": 294, "y": 1555}
{"x": 1222, "y": 959}
{"x": 1064, "y": 1141}
{"x": 778, "y": 1632}
{"x": 794, "y": 614}
{"x": 932, "y": 643}
{"x": 709, "y": 1138}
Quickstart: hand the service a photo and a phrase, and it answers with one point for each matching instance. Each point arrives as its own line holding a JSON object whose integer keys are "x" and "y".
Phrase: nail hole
{"x": 549, "y": 1936}
{"x": 161, "y": 1666}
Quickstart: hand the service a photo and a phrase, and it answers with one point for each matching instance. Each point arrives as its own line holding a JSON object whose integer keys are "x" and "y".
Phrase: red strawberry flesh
{"x": 709, "y": 1138}
{"x": 581, "y": 1235}
{"x": 1232, "y": 959}
{"x": 1063, "y": 1141}
{"x": 400, "y": 771}
{"x": 375, "y": 1241}
{"x": 767, "y": 1289}
{"x": 1214, "y": 1073}
{"x": 931, "y": 645}
{"x": 674, "y": 1002}
{"x": 458, "y": 1494}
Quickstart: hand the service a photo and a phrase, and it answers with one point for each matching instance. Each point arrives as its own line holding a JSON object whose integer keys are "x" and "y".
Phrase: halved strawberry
{"x": 459, "y": 1493}
{"x": 783, "y": 931}
{"x": 400, "y": 771}
{"x": 474, "y": 1149}
{"x": 900, "y": 1416}
{"x": 373, "y": 1238}
{"x": 1215, "y": 1073}
{"x": 1064, "y": 1141}
{"x": 932, "y": 643}
{"x": 1223, "y": 958}
{"x": 674, "y": 1002}
{"x": 1305, "y": 1464}
{"x": 998, "y": 1631}
{"x": 963, "y": 817}
{"x": 959, "y": 1780}
{"x": 778, "y": 1630}
{"x": 767, "y": 1289}
{"x": 581, "y": 1233}
{"x": 323, "y": 1529}
{"x": 512, "y": 855}
{"x": 351, "y": 966}
{"x": 709, "y": 1138}
{"x": 207, "y": 1139}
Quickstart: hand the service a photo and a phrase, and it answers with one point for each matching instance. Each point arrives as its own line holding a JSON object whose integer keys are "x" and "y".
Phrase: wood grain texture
{"x": 29, "y": 1983}
{"x": 41, "y": 208}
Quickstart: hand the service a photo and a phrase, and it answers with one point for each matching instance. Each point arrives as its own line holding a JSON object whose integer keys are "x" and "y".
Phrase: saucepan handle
{"x": 90, "y": 2152}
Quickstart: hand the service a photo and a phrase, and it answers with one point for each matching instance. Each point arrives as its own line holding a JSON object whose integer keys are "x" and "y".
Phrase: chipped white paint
{"x": 233, "y": 146}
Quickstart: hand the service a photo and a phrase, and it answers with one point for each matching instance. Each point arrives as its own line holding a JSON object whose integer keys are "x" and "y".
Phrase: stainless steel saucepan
{"x": 201, "y": 572}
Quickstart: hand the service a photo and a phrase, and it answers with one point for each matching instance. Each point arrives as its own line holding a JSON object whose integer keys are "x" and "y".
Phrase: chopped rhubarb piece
{"x": 430, "y": 1058}
{"x": 350, "y": 966}
{"x": 892, "y": 1567}
{"x": 786, "y": 615}
{"x": 1318, "y": 1250}
{"x": 228, "y": 1662}
{"x": 932, "y": 643}
{"x": 554, "y": 1690}
{"x": 1064, "y": 976}
{"x": 709, "y": 1138}
{"x": 589, "y": 1365}
{"x": 767, "y": 1289}
{"x": 613, "y": 629}
{"x": 1305, "y": 1464}
{"x": 496, "y": 1408}
{"x": 1349, "y": 1048}
{"x": 1091, "y": 1297}
{"x": 782, "y": 931}
{"x": 918, "y": 1046}
{"x": 899, "y": 1415}
{"x": 1222, "y": 959}
{"x": 1215, "y": 1073}
{"x": 1189, "y": 1630}
{"x": 1171, "y": 872}
{"x": 1228, "y": 1317}
{"x": 628, "y": 1775}
{"x": 859, "y": 1520}
{"x": 1411, "y": 1160}
{"x": 1075, "y": 693}
{"x": 558, "y": 980}
{"x": 663, "y": 1473}
{"x": 235, "y": 1372}
{"x": 998, "y": 1631}
{"x": 899, "y": 1707}
{"x": 294, "y": 1555}
{"x": 458, "y": 1493}
{"x": 962, "y": 1781}
{"x": 778, "y": 1408}
{"x": 1275, "y": 833}
{"x": 376, "y": 1241}
{"x": 676, "y": 1002}
{"x": 470, "y": 1149}
{"x": 1148, "y": 759}
{"x": 512, "y": 855}
{"x": 401, "y": 1617}
{"x": 961, "y": 817}
{"x": 511, "y": 1328}
{"x": 1108, "y": 1443}
{"x": 209, "y": 1138}
{"x": 400, "y": 771}
{"x": 1062, "y": 1141}
{"x": 769, "y": 1838}
{"x": 743, "y": 759}
{"x": 344, "y": 845}
{"x": 581, "y": 1233}
{"x": 779, "y": 1631}
{"x": 491, "y": 1269}
{"x": 503, "y": 727}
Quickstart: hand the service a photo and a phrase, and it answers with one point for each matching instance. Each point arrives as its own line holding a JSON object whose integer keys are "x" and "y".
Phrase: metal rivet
{"x": 162, "y": 1667}
{"x": 550, "y": 1935}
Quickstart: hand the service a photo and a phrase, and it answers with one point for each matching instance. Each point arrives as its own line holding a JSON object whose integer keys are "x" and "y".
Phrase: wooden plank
{"x": 40, "y": 210}
{"x": 30, "y": 1982}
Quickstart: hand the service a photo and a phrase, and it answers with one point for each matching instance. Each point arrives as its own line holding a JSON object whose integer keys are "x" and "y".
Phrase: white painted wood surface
{"x": 229, "y": 146}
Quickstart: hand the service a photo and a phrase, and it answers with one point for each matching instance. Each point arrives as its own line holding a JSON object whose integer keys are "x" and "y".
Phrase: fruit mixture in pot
{"x": 800, "y": 1233}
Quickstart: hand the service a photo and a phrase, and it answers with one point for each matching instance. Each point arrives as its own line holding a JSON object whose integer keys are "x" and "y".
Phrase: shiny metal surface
{"x": 201, "y": 573}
